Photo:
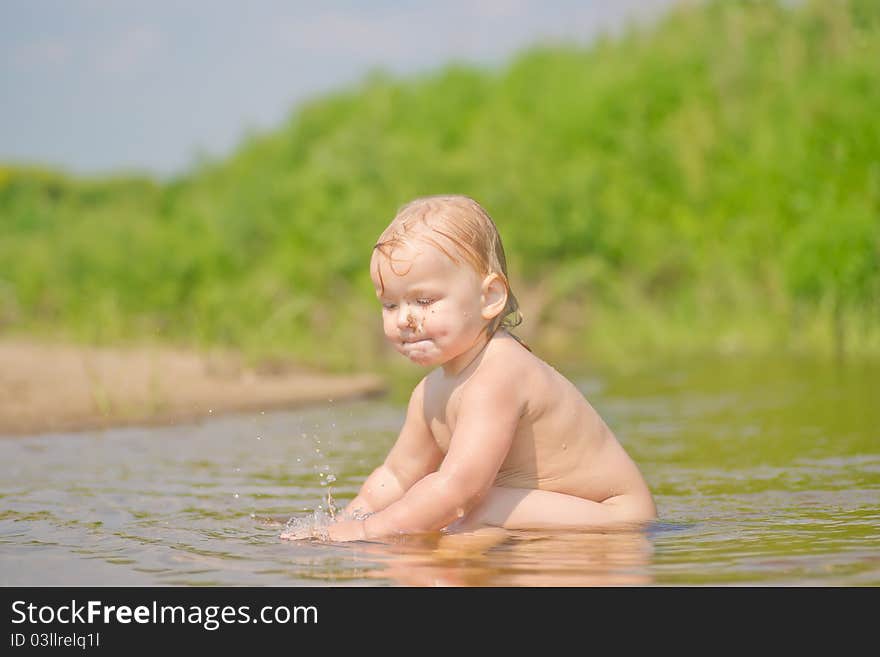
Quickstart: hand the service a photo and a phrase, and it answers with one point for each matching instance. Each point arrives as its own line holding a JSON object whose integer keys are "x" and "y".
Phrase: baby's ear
{"x": 494, "y": 296}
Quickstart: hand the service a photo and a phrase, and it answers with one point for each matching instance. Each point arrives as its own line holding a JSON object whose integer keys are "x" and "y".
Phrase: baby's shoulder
{"x": 508, "y": 363}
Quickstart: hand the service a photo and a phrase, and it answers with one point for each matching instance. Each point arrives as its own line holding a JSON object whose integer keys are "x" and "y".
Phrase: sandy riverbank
{"x": 50, "y": 388}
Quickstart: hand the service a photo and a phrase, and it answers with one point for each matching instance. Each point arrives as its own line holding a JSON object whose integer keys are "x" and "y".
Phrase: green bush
{"x": 715, "y": 174}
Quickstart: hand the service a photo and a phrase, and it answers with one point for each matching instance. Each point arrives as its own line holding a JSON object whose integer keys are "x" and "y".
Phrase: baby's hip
{"x": 530, "y": 508}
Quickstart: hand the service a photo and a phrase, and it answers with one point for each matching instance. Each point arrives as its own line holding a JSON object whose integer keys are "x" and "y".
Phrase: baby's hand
{"x": 299, "y": 529}
{"x": 346, "y": 530}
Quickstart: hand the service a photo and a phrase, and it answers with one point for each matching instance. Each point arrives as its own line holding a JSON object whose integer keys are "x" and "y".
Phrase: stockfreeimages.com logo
{"x": 211, "y": 617}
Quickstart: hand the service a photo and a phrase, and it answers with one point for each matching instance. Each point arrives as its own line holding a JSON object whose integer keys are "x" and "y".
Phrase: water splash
{"x": 332, "y": 509}
{"x": 311, "y": 526}
{"x": 314, "y": 525}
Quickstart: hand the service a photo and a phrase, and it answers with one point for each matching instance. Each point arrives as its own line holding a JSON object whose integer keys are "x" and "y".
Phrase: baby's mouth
{"x": 413, "y": 340}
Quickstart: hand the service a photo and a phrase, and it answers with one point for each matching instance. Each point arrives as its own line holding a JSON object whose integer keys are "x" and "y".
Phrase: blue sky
{"x": 98, "y": 86}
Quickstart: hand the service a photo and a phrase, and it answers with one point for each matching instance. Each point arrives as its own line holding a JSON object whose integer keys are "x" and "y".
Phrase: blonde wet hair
{"x": 461, "y": 229}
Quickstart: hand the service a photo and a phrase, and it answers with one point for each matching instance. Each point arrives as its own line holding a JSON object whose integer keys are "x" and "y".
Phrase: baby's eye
{"x": 424, "y": 302}
{"x": 389, "y": 306}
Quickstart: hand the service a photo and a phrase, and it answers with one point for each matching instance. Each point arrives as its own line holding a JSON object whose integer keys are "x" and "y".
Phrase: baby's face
{"x": 430, "y": 305}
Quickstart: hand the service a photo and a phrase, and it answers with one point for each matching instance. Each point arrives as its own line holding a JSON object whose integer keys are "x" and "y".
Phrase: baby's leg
{"x": 525, "y": 508}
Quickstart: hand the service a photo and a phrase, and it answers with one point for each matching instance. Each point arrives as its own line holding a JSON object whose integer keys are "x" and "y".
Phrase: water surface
{"x": 765, "y": 472}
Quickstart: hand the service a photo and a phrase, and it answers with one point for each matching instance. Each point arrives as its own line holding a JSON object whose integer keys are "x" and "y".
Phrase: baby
{"x": 493, "y": 436}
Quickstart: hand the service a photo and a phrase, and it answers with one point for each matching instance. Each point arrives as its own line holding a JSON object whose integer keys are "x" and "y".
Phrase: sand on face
{"x": 57, "y": 387}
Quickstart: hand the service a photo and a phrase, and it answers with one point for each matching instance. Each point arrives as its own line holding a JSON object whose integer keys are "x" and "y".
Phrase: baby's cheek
{"x": 430, "y": 323}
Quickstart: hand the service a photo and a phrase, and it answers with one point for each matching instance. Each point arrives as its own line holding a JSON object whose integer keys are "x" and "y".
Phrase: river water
{"x": 765, "y": 472}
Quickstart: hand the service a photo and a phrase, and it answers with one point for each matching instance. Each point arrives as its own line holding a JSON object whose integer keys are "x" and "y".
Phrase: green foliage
{"x": 716, "y": 170}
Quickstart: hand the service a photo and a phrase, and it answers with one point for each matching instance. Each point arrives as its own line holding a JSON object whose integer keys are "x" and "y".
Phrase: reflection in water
{"x": 498, "y": 557}
{"x": 764, "y": 472}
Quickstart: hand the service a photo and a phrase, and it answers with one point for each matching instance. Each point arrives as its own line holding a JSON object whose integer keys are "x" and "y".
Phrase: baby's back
{"x": 561, "y": 443}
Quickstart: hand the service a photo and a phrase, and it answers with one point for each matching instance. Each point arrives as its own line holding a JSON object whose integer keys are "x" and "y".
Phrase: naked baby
{"x": 493, "y": 435}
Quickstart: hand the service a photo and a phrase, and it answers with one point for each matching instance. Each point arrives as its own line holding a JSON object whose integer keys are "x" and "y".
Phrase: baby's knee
{"x": 490, "y": 511}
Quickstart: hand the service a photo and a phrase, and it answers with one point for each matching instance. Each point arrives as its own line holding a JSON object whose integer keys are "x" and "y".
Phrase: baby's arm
{"x": 487, "y": 419}
{"x": 414, "y": 455}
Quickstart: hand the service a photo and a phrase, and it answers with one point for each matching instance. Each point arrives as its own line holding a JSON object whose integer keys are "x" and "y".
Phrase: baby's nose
{"x": 404, "y": 317}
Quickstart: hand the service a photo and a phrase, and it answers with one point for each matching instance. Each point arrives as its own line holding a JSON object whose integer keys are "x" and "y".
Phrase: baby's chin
{"x": 423, "y": 352}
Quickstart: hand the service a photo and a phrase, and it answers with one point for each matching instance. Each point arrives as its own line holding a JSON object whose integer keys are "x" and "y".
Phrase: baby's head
{"x": 440, "y": 263}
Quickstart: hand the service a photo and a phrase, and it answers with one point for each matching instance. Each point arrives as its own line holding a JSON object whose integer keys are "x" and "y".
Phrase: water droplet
{"x": 298, "y": 460}
{"x": 259, "y": 438}
{"x": 330, "y": 479}
{"x": 235, "y": 496}
{"x": 302, "y": 435}
{"x": 459, "y": 512}
{"x": 210, "y": 410}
